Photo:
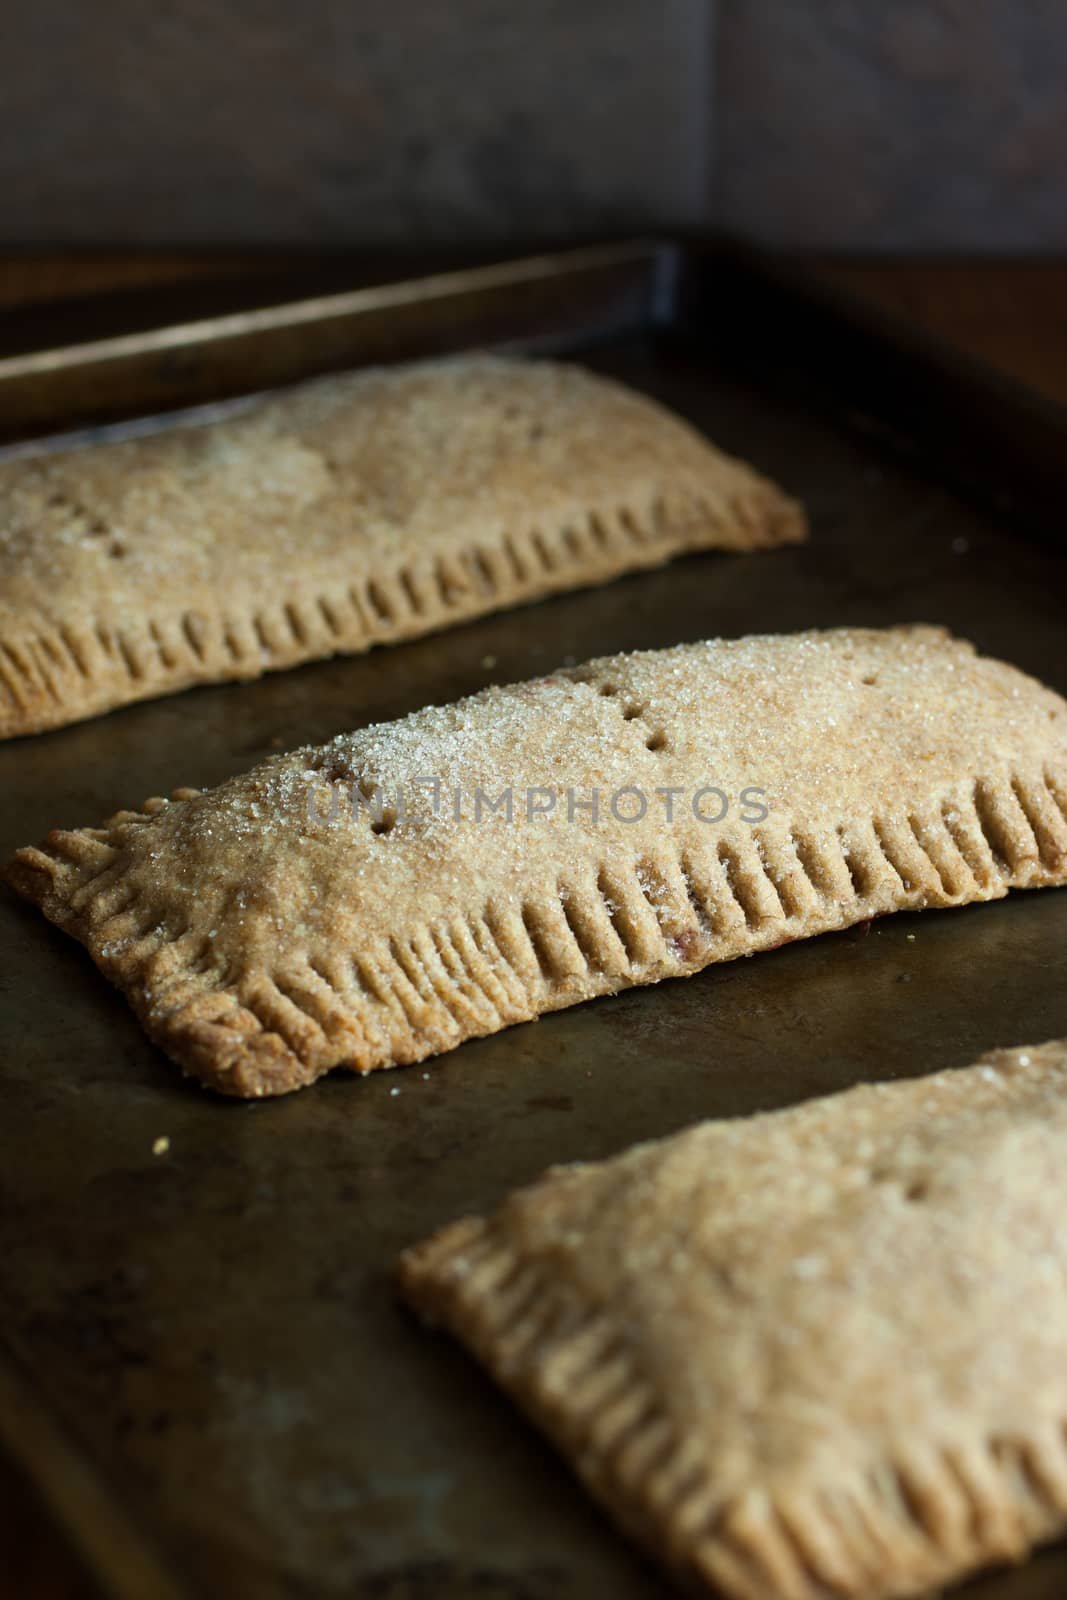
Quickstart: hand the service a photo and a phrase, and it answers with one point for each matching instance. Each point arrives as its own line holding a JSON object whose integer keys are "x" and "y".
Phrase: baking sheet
{"x": 204, "y": 1365}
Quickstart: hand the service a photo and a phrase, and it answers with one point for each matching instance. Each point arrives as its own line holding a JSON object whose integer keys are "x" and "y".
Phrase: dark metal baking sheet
{"x": 204, "y": 1366}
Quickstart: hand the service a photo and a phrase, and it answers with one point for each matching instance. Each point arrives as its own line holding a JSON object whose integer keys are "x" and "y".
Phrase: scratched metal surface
{"x": 210, "y": 1334}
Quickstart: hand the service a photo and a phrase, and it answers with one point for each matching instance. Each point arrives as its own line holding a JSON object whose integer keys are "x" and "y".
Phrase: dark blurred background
{"x": 934, "y": 125}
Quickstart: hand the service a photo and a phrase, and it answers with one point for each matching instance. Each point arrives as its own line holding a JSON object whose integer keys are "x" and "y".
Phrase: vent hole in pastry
{"x": 658, "y": 740}
{"x": 383, "y": 818}
{"x": 632, "y": 712}
{"x": 869, "y": 679}
{"x": 334, "y": 770}
{"x": 914, "y": 1188}
{"x": 116, "y": 550}
{"x": 607, "y": 689}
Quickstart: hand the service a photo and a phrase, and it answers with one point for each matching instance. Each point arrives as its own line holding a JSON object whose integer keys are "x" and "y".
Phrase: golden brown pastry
{"x": 816, "y": 1353}
{"x": 345, "y": 513}
{"x": 747, "y": 792}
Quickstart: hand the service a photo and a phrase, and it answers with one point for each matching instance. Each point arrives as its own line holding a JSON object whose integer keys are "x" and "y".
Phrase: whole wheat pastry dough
{"x": 347, "y": 512}
{"x": 816, "y": 1353}
{"x": 275, "y": 927}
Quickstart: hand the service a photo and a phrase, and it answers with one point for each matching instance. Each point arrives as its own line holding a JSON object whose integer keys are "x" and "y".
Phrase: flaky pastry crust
{"x": 348, "y": 512}
{"x": 811, "y": 1353}
{"x": 277, "y": 926}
